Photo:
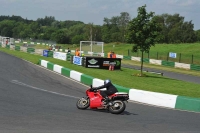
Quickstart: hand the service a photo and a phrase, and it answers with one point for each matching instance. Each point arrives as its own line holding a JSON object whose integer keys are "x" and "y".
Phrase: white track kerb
{"x": 146, "y": 97}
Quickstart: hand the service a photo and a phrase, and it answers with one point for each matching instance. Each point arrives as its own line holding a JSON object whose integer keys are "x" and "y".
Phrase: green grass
{"x": 152, "y": 82}
{"x": 184, "y": 52}
{"x": 159, "y": 51}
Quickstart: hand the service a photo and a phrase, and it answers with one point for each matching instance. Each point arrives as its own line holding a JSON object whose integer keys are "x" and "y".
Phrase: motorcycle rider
{"x": 110, "y": 89}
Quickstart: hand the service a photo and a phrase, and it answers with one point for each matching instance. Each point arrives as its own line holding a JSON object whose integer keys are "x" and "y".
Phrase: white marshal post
{"x": 91, "y": 37}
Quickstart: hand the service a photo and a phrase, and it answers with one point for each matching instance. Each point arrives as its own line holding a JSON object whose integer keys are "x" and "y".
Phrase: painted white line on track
{"x": 57, "y": 73}
{"x": 23, "y": 84}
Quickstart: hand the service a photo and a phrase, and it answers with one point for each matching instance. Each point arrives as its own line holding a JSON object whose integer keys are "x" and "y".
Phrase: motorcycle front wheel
{"x": 83, "y": 103}
{"x": 117, "y": 107}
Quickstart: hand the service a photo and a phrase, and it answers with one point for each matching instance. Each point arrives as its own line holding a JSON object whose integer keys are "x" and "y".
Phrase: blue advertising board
{"x": 45, "y": 53}
{"x": 77, "y": 60}
{"x": 172, "y": 55}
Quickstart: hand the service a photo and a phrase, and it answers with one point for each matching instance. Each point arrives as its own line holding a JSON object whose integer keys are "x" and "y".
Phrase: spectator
{"x": 68, "y": 51}
{"x": 50, "y": 48}
{"x": 109, "y": 54}
{"x": 112, "y": 66}
{"x": 113, "y": 55}
{"x": 77, "y": 53}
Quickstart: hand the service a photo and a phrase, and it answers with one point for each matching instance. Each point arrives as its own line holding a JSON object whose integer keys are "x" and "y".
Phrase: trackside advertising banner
{"x": 60, "y": 55}
{"x": 77, "y": 60}
{"x": 102, "y": 63}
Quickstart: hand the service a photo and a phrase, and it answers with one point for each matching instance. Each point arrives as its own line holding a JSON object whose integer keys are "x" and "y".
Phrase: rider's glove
{"x": 94, "y": 88}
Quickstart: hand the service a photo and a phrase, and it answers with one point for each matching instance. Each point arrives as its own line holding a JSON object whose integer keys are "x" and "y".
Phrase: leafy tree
{"x": 110, "y": 29}
{"x": 28, "y": 31}
{"x": 116, "y": 37}
{"x": 92, "y": 32}
{"x": 14, "y": 18}
{"x": 47, "y": 21}
{"x": 56, "y": 24}
{"x": 174, "y": 29}
{"x": 22, "y": 34}
{"x": 77, "y": 29}
{"x": 106, "y": 35}
{"x": 24, "y": 31}
{"x": 68, "y": 23}
{"x": 142, "y": 31}
{"x": 76, "y": 39}
{"x": 187, "y": 33}
{"x": 97, "y": 33}
{"x": 16, "y": 30}
{"x": 35, "y": 30}
{"x": 6, "y": 27}
{"x": 114, "y": 29}
{"x": 123, "y": 23}
{"x": 197, "y": 33}
{"x": 60, "y": 36}
{"x": 48, "y": 31}
{"x": 89, "y": 32}
{"x": 161, "y": 20}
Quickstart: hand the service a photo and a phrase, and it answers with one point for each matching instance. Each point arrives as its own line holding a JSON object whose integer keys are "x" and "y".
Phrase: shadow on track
{"x": 106, "y": 111}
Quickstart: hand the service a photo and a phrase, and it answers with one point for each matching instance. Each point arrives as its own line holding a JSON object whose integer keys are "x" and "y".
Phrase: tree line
{"x": 174, "y": 29}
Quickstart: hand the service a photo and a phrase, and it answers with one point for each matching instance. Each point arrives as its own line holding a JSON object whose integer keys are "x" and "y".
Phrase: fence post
{"x": 179, "y": 57}
{"x": 192, "y": 58}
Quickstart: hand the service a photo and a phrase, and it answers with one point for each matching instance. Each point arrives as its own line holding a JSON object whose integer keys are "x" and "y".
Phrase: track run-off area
{"x": 36, "y": 100}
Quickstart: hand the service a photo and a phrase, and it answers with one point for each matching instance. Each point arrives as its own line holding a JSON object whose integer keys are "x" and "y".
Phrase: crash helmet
{"x": 106, "y": 81}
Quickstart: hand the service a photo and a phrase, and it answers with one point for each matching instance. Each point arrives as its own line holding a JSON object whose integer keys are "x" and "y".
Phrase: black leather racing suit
{"x": 110, "y": 89}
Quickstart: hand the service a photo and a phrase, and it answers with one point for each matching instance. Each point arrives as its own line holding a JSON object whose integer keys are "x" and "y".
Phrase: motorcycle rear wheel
{"x": 117, "y": 107}
{"x": 83, "y": 103}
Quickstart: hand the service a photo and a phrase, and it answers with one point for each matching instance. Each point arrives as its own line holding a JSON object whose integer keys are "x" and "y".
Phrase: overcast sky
{"x": 94, "y": 11}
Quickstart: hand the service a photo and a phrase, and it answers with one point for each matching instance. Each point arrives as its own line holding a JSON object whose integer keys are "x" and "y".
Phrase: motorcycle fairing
{"x": 95, "y": 99}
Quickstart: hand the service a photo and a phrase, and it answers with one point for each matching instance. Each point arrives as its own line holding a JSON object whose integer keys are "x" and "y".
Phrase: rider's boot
{"x": 106, "y": 100}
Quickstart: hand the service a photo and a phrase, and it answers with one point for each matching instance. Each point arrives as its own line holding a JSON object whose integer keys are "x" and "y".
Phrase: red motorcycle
{"x": 94, "y": 100}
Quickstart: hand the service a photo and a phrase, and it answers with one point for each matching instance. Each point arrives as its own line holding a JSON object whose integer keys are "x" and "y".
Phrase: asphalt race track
{"x": 173, "y": 75}
{"x": 36, "y": 100}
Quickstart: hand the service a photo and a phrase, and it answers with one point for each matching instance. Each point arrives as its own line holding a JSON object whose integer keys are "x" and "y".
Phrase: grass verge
{"x": 165, "y": 68}
{"x": 151, "y": 82}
